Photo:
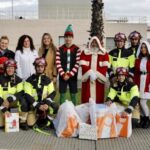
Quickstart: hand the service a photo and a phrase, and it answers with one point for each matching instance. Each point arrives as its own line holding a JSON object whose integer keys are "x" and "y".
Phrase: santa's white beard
{"x": 94, "y": 49}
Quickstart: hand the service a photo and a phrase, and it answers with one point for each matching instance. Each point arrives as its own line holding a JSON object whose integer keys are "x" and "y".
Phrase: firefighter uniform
{"x": 11, "y": 89}
{"x": 39, "y": 90}
{"x": 125, "y": 94}
{"x": 121, "y": 57}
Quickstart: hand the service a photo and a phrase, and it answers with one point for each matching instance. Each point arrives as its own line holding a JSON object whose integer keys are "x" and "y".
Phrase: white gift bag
{"x": 67, "y": 121}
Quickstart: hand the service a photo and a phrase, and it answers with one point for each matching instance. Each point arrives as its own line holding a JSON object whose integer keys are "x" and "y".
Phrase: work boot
{"x": 146, "y": 123}
{"x": 24, "y": 126}
{"x": 135, "y": 123}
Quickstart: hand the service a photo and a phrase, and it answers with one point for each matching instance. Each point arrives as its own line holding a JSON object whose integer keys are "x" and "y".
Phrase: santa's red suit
{"x": 142, "y": 73}
{"x": 94, "y": 66}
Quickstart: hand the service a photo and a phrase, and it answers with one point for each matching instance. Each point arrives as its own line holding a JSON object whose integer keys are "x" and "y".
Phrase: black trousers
{"x": 72, "y": 82}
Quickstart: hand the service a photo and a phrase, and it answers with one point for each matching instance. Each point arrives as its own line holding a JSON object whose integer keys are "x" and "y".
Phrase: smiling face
{"x": 144, "y": 49}
{"x": 4, "y": 44}
{"x": 10, "y": 70}
{"x": 46, "y": 40}
{"x": 121, "y": 78}
{"x": 26, "y": 43}
{"x": 120, "y": 44}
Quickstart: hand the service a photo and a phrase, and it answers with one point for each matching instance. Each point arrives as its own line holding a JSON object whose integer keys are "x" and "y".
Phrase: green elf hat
{"x": 69, "y": 31}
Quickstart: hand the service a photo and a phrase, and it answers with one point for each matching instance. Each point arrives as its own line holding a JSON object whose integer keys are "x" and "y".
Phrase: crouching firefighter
{"x": 11, "y": 92}
{"x": 39, "y": 93}
{"x": 125, "y": 93}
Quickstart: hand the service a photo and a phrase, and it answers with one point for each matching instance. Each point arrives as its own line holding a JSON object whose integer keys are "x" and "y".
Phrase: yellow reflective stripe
{"x": 134, "y": 91}
{"x": 131, "y": 61}
{"x": 112, "y": 93}
{"x": 50, "y": 88}
{"x": 28, "y": 88}
{"x": 1, "y": 91}
{"x": 51, "y": 111}
{"x": 20, "y": 87}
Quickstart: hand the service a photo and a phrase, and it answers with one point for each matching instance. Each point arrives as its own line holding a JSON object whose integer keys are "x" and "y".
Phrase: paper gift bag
{"x": 12, "y": 122}
{"x": 124, "y": 126}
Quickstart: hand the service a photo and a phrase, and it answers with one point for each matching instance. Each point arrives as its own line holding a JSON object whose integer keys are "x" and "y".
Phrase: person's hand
{"x": 108, "y": 103}
{"x": 66, "y": 77}
{"x": 42, "y": 108}
{"x": 45, "y": 106}
{"x": 124, "y": 114}
{"x": 6, "y": 103}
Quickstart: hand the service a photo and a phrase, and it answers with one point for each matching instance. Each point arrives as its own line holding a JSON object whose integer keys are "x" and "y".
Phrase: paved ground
{"x": 30, "y": 140}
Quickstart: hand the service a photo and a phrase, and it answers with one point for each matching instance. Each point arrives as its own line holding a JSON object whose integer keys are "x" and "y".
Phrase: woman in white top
{"x": 25, "y": 56}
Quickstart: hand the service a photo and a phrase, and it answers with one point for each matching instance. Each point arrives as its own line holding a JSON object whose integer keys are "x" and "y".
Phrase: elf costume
{"x": 67, "y": 62}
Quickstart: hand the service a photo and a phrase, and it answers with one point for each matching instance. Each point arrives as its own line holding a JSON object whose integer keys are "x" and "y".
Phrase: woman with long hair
{"x": 25, "y": 56}
{"x": 48, "y": 51}
{"x": 142, "y": 79}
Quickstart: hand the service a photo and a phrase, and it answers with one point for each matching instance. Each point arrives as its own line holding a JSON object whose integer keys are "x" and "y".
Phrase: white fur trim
{"x": 86, "y": 75}
{"x": 104, "y": 63}
{"x": 143, "y": 76}
{"x": 83, "y": 62}
{"x": 101, "y": 77}
{"x": 101, "y": 49}
{"x": 139, "y": 48}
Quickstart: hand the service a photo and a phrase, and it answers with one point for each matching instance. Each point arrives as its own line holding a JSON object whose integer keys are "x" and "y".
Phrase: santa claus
{"x": 94, "y": 62}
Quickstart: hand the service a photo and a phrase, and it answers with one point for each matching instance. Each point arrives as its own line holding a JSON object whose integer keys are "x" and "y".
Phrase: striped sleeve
{"x": 58, "y": 64}
{"x": 76, "y": 66}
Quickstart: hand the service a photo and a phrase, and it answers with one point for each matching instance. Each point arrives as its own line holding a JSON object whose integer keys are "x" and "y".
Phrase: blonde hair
{"x": 51, "y": 45}
{"x": 4, "y": 37}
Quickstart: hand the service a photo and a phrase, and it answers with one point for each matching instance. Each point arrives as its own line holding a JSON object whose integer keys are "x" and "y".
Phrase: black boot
{"x": 135, "y": 123}
{"x": 24, "y": 126}
{"x": 146, "y": 123}
{"x": 142, "y": 120}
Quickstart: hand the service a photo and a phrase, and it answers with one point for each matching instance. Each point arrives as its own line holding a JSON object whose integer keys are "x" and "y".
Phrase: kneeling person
{"x": 11, "y": 92}
{"x": 39, "y": 93}
{"x": 126, "y": 94}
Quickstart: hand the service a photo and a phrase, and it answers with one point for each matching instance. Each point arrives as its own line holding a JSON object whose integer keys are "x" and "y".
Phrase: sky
{"x": 112, "y": 7}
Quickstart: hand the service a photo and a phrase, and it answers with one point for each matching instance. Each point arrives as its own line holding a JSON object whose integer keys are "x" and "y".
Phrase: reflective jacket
{"x": 121, "y": 58}
{"x": 126, "y": 94}
{"x": 11, "y": 88}
{"x": 39, "y": 89}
